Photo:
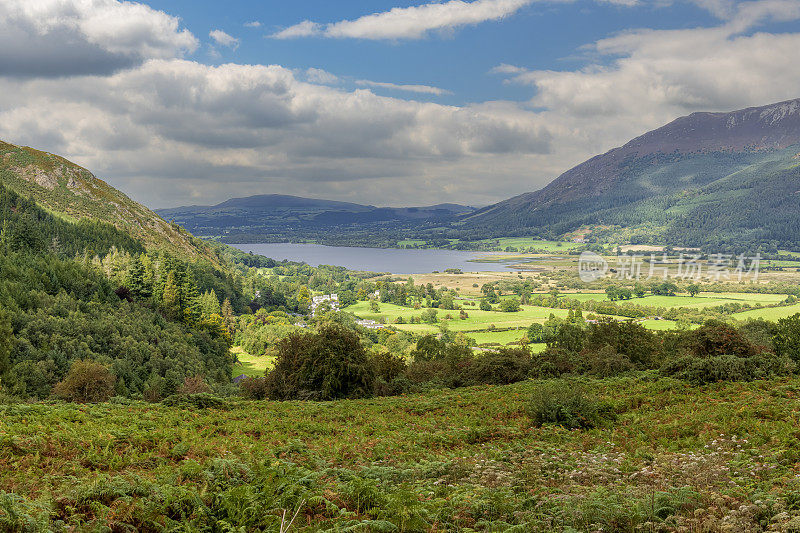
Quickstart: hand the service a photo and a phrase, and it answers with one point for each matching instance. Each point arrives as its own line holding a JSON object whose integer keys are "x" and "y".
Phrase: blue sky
{"x": 537, "y": 36}
{"x": 382, "y": 102}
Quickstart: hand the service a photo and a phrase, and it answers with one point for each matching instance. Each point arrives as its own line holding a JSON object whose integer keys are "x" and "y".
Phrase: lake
{"x": 391, "y": 260}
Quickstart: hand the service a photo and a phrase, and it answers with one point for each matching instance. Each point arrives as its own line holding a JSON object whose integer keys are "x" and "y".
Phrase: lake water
{"x": 376, "y": 259}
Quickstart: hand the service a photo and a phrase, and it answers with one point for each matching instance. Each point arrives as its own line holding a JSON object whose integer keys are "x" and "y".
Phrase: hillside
{"x": 74, "y": 193}
{"x": 704, "y": 179}
{"x": 275, "y": 216}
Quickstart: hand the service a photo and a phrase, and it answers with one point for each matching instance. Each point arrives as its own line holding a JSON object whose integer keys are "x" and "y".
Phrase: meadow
{"x": 715, "y": 458}
{"x": 496, "y": 327}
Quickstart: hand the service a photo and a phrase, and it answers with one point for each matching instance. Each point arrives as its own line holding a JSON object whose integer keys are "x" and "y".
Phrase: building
{"x": 370, "y": 324}
{"x": 332, "y": 300}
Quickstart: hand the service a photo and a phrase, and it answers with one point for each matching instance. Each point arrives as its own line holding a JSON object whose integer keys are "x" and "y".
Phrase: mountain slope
{"x": 705, "y": 178}
{"x": 72, "y": 192}
{"x": 265, "y": 216}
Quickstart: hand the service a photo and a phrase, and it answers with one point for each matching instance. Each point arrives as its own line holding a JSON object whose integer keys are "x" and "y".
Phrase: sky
{"x": 384, "y": 102}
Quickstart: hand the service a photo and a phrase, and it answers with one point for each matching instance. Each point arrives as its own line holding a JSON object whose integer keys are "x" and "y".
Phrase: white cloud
{"x": 165, "y": 129}
{"x": 303, "y": 29}
{"x": 259, "y": 128}
{"x": 421, "y": 89}
{"x": 320, "y": 76}
{"x": 414, "y": 22}
{"x": 223, "y": 39}
{"x": 252, "y": 24}
{"x": 57, "y": 37}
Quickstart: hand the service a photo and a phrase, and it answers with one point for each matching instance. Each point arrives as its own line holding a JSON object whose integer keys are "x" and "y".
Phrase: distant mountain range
{"x": 714, "y": 179}
{"x": 267, "y": 215}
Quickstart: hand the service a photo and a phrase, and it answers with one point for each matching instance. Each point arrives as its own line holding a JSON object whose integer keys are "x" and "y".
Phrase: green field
{"x": 705, "y": 299}
{"x": 772, "y": 313}
{"x": 523, "y": 242}
{"x": 250, "y": 365}
{"x": 439, "y": 461}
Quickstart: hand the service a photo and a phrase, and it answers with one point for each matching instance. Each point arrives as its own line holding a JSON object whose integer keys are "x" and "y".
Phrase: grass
{"x": 771, "y": 313}
{"x": 701, "y": 458}
{"x": 539, "y": 244}
{"x": 250, "y": 365}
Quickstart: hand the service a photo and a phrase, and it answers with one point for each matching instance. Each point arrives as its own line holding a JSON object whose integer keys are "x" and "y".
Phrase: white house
{"x": 331, "y": 299}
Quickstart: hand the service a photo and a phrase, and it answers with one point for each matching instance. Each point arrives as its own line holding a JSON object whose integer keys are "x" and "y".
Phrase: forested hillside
{"x": 73, "y": 193}
{"x": 719, "y": 180}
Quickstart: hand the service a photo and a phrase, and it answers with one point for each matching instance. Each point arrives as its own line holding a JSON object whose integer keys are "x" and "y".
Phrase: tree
{"x": 485, "y": 305}
{"x": 5, "y": 346}
{"x": 327, "y": 365}
{"x": 209, "y": 303}
{"x": 86, "y": 382}
{"x": 693, "y": 289}
{"x": 639, "y": 290}
{"x": 510, "y": 305}
{"x": 171, "y": 298}
{"x": 136, "y": 280}
{"x": 787, "y": 337}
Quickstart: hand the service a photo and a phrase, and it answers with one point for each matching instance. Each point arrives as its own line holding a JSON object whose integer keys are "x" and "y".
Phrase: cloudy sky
{"x": 388, "y": 102}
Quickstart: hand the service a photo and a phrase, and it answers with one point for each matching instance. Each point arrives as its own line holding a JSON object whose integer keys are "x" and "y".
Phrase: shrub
{"x": 326, "y": 365}
{"x": 701, "y": 370}
{"x": 194, "y": 385}
{"x": 202, "y": 400}
{"x": 786, "y": 338}
{"x": 718, "y": 338}
{"x": 563, "y": 404}
{"x": 633, "y": 341}
{"x": 254, "y": 388}
{"x": 388, "y": 366}
{"x": 86, "y": 382}
{"x": 607, "y": 362}
{"x": 507, "y": 365}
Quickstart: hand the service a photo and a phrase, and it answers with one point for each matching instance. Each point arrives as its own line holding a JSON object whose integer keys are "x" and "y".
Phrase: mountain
{"x": 704, "y": 179}
{"x": 74, "y": 193}
{"x": 273, "y": 215}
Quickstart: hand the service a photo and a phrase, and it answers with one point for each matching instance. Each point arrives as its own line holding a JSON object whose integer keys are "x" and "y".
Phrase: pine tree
{"x": 190, "y": 300}
{"x": 136, "y": 280}
{"x": 5, "y": 346}
{"x": 171, "y": 298}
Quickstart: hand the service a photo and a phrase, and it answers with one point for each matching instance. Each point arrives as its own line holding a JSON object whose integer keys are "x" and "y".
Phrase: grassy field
{"x": 250, "y": 365}
{"x": 772, "y": 313}
{"x": 477, "y": 325}
{"x": 716, "y": 458}
{"x": 539, "y": 244}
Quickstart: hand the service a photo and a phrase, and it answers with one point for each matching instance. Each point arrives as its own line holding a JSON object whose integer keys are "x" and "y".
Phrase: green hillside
{"x": 73, "y": 193}
{"x": 717, "y": 180}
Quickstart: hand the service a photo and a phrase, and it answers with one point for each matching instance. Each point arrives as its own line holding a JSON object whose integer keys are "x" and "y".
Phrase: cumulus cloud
{"x": 421, "y": 89}
{"x": 223, "y": 39}
{"x": 58, "y": 38}
{"x": 320, "y": 76}
{"x": 166, "y": 129}
{"x": 260, "y": 124}
{"x": 414, "y": 22}
{"x": 252, "y": 24}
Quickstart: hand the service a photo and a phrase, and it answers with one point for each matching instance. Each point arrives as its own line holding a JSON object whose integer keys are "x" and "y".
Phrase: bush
{"x": 607, "y": 362}
{"x": 563, "y": 404}
{"x": 254, "y": 388}
{"x": 718, "y": 338}
{"x": 202, "y": 400}
{"x": 701, "y": 370}
{"x": 508, "y": 365}
{"x": 327, "y": 365}
{"x": 194, "y": 385}
{"x": 86, "y": 382}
